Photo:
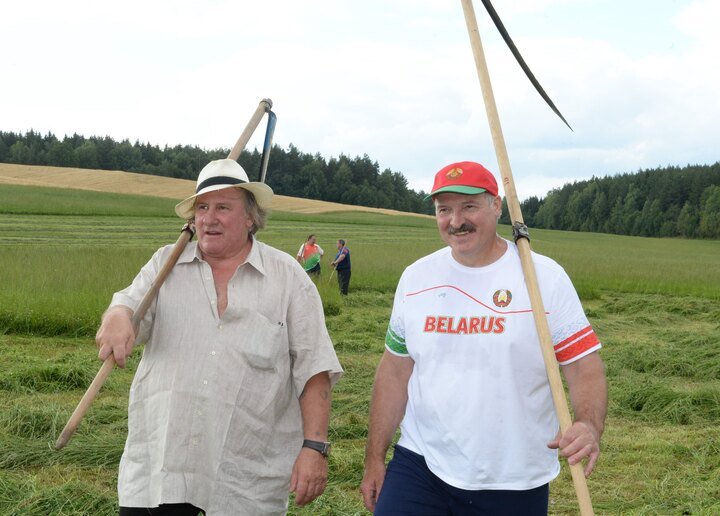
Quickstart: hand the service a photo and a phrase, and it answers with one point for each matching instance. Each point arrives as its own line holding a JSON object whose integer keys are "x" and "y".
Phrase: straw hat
{"x": 219, "y": 174}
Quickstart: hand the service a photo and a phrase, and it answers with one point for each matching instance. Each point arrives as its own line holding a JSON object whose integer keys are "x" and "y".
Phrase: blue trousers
{"x": 411, "y": 489}
{"x": 344, "y": 280}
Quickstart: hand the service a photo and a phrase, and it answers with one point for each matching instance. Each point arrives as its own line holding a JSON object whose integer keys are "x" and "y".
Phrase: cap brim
{"x": 263, "y": 195}
{"x": 465, "y": 190}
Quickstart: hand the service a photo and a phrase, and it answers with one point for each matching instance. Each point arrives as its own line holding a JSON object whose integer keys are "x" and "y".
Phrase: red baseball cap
{"x": 464, "y": 177}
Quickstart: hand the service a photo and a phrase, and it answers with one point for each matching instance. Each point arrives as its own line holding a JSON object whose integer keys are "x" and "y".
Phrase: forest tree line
{"x": 663, "y": 202}
{"x": 356, "y": 181}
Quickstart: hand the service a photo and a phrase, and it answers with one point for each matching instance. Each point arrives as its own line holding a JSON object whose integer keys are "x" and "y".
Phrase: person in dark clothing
{"x": 342, "y": 266}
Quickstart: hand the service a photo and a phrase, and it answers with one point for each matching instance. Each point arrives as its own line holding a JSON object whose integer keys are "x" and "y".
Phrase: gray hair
{"x": 489, "y": 198}
{"x": 253, "y": 210}
{"x": 257, "y": 214}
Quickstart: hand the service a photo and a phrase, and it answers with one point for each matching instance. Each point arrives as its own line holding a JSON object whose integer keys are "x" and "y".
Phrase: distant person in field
{"x": 342, "y": 266}
{"x": 463, "y": 375}
{"x": 309, "y": 256}
{"x": 229, "y": 407}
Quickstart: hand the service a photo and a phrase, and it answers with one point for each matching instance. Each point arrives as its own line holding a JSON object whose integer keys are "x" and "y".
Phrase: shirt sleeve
{"x": 132, "y": 295}
{"x": 311, "y": 349}
{"x": 573, "y": 336}
{"x": 395, "y": 336}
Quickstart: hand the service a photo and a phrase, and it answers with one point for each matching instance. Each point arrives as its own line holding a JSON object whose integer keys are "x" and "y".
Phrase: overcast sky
{"x": 639, "y": 81}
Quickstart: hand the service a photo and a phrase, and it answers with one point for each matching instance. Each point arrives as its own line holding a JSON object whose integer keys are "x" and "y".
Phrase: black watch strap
{"x": 319, "y": 446}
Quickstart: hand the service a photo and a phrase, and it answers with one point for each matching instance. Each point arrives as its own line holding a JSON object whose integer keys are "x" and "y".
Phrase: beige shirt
{"x": 214, "y": 418}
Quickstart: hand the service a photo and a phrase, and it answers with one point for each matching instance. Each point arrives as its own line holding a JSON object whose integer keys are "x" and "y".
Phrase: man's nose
{"x": 456, "y": 219}
{"x": 210, "y": 214}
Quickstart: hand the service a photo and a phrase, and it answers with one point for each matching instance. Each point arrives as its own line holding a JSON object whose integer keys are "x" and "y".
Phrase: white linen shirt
{"x": 214, "y": 418}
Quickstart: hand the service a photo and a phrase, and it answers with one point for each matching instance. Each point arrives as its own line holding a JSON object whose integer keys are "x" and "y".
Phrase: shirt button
{"x": 220, "y": 327}
{"x": 199, "y": 412}
{"x": 205, "y": 382}
{"x": 194, "y": 442}
{"x": 213, "y": 353}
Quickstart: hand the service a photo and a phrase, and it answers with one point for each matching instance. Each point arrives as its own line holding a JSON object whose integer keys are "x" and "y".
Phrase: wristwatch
{"x": 319, "y": 446}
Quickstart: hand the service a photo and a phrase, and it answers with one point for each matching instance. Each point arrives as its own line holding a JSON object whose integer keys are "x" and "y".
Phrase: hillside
{"x": 143, "y": 184}
{"x": 662, "y": 202}
{"x": 356, "y": 181}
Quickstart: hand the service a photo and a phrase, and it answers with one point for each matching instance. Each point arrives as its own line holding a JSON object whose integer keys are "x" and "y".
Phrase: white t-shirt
{"x": 479, "y": 404}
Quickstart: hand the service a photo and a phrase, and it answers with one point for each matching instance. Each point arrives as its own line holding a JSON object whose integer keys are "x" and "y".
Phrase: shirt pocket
{"x": 260, "y": 366}
{"x": 263, "y": 342}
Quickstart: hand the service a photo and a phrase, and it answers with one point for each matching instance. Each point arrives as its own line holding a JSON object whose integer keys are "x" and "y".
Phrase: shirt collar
{"x": 254, "y": 258}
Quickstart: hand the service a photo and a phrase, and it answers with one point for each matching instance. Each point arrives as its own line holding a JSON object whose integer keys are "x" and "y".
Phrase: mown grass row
{"x": 660, "y": 448}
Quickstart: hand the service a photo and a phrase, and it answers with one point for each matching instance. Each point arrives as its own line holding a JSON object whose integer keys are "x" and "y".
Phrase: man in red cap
{"x": 463, "y": 374}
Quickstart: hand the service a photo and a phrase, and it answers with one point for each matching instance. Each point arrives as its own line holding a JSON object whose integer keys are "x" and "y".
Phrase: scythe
{"x": 520, "y": 232}
{"x": 186, "y": 235}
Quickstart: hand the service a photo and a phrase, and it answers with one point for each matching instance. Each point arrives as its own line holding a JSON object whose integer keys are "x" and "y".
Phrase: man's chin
{"x": 209, "y": 237}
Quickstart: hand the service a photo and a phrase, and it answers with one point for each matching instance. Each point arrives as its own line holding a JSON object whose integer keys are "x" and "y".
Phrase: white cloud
{"x": 394, "y": 80}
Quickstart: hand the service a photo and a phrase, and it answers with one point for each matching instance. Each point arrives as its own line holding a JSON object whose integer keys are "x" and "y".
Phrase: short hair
{"x": 490, "y": 198}
{"x": 341, "y": 241}
{"x": 253, "y": 210}
{"x": 485, "y": 195}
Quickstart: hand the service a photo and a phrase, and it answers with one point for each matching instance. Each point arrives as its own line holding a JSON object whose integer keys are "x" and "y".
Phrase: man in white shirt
{"x": 229, "y": 407}
{"x": 463, "y": 374}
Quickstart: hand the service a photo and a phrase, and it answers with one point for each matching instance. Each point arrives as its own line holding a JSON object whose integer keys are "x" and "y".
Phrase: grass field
{"x": 654, "y": 303}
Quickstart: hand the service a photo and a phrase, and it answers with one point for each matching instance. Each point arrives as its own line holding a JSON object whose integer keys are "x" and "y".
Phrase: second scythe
{"x": 186, "y": 235}
{"x": 523, "y": 245}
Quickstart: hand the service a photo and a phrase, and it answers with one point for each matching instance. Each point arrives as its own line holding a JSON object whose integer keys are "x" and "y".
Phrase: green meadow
{"x": 655, "y": 304}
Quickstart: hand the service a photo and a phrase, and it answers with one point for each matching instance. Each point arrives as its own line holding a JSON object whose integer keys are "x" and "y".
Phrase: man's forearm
{"x": 315, "y": 403}
{"x": 389, "y": 401}
{"x": 588, "y": 391}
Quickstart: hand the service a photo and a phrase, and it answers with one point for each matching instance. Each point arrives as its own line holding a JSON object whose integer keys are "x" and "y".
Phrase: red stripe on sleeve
{"x": 571, "y": 338}
{"x": 577, "y": 348}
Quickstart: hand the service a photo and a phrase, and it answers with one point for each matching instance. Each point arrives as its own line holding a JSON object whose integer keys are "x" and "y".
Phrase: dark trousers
{"x": 411, "y": 489}
{"x": 343, "y": 280}
{"x": 165, "y": 509}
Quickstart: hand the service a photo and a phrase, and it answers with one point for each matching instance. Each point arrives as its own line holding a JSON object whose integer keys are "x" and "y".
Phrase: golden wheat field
{"x": 144, "y": 184}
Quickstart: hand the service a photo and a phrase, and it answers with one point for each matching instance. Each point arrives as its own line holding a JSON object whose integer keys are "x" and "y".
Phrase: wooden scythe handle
{"x": 185, "y": 236}
{"x": 264, "y": 106}
{"x": 107, "y": 367}
{"x": 543, "y": 329}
